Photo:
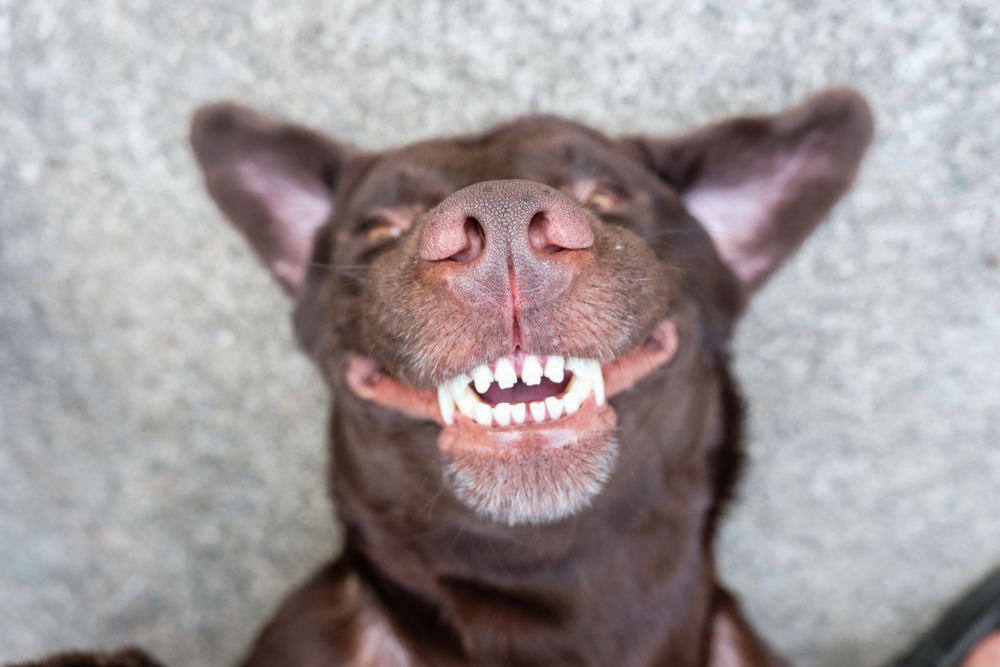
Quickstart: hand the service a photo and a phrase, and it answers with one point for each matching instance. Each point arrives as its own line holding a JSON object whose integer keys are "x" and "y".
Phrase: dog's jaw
{"x": 534, "y": 472}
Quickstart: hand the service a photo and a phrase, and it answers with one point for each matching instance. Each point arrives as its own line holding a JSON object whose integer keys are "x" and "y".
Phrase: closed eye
{"x": 379, "y": 230}
{"x": 598, "y": 196}
{"x": 384, "y": 225}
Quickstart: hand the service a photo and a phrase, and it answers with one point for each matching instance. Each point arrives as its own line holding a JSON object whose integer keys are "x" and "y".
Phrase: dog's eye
{"x": 377, "y": 230}
{"x": 601, "y": 199}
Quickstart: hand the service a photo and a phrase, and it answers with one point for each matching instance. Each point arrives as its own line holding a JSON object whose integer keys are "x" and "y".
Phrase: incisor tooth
{"x": 482, "y": 376}
{"x": 555, "y": 406}
{"x": 537, "y": 410}
{"x": 505, "y": 375}
{"x": 554, "y": 368}
{"x": 483, "y": 414}
{"x": 572, "y": 401}
{"x": 531, "y": 371}
{"x": 517, "y": 412}
{"x": 447, "y": 405}
{"x": 502, "y": 413}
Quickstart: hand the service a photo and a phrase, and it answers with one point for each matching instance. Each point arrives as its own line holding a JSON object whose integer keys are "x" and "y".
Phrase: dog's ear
{"x": 760, "y": 185}
{"x": 275, "y": 181}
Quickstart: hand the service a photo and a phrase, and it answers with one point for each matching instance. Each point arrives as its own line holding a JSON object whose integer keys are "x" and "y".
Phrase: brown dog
{"x": 526, "y": 332}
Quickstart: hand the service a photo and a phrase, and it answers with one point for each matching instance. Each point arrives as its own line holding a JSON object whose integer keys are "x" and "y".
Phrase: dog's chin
{"x": 535, "y": 474}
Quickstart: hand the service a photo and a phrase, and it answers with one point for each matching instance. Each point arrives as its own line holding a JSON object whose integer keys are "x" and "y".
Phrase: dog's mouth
{"x": 526, "y": 438}
{"x": 520, "y": 391}
{"x": 521, "y": 388}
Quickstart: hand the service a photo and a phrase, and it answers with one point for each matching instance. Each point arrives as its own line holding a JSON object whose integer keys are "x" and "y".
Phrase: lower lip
{"x": 465, "y": 434}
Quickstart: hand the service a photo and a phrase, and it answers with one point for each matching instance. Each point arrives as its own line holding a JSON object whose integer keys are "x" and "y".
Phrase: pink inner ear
{"x": 740, "y": 217}
{"x": 297, "y": 206}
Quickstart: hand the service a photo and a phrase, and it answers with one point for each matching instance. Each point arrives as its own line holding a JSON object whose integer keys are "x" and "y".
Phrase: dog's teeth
{"x": 458, "y": 384}
{"x": 505, "y": 375}
{"x": 554, "y": 368}
{"x": 555, "y": 406}
{"x": 467, "y": 402}
{"x": 483, "y": 378}
{"x": 581, "y": 381}
{"x": 502, "y": 413}
{"x": 447, "y": 404}
{"x": 598, "y": 381}
{"x": 531, "y": 372}
{"x": 483, "y": 414}
{"x": 457, "y": 394}
{"x": 572, "y": 401}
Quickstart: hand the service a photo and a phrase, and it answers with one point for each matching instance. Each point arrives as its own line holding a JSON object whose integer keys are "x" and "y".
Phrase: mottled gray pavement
{"x": 161, "y": 442}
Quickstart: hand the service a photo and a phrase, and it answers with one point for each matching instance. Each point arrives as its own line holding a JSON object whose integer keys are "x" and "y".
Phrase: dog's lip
{"x": 368, "y": 380}
{"x": 623, "y": 373}
{"x": 466, "y": 435}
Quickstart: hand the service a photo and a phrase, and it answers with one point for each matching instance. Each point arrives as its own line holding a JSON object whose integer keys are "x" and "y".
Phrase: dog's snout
{"x": 504, "y": 218}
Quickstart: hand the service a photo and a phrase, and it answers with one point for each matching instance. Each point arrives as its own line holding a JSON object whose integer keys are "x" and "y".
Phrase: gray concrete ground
{"x": 161, "y": 442}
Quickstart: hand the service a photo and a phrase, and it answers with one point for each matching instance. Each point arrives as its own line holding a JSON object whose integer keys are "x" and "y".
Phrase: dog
{"x": 526, "y": 332}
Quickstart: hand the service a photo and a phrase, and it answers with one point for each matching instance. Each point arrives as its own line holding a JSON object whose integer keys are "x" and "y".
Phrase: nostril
{"x": 475, "y": 239}
{"x": 507, "y": 212}
{"x": 538, "y": 234}
{"x": 452, "y": 236}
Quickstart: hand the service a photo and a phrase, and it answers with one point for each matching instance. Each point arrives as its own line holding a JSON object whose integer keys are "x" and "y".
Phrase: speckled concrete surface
{"x": 162, "y": 452}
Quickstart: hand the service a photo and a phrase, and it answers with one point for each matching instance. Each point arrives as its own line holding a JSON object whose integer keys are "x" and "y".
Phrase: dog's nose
{"x": 504, "y": 218}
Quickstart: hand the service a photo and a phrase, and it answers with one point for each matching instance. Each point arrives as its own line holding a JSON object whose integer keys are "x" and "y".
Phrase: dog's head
{"x": 514, "y": 317}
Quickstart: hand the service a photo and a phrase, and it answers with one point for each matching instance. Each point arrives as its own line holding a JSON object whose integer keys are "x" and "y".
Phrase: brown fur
{"x": 585, "y": 544}
{"x": 431, "y": 575}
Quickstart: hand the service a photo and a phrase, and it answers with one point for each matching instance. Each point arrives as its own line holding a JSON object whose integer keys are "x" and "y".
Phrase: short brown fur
{"x": 629, "y": 580}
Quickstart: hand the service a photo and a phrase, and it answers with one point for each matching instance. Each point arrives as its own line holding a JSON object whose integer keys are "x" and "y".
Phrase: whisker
{"x": 668, "y": 232}
{"x": 338, "y": 267}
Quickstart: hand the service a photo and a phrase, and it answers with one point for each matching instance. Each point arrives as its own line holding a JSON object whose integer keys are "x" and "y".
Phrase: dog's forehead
{"x": 544, "y": 149}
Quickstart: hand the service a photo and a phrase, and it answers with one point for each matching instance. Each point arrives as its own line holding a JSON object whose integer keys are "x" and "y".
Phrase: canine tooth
{"x": 531, "y": 372}
{"x": 598, "y": 381}
{"x": 458, "y": 386}
{"x": 459, "y": 383}
{"x": 447, "y": 405}
{"x": 505, "y": 375}
{"x": 517, "y": 412}
{"x": 483, "y": 415}
{"x": 580, "y": 383}
{"x": 537, "y": 410}
{"x": 554, "y": 368}
{"x": 482, "y": 376}
{"x": 467, "y": 402}
{"x": 572, "y": 401}
{"x": 555, "y": 406}
{"x": 501, "y": 412}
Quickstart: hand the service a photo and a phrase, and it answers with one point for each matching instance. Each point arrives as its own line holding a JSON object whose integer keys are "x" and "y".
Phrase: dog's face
{"x": 530, "y": 310}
